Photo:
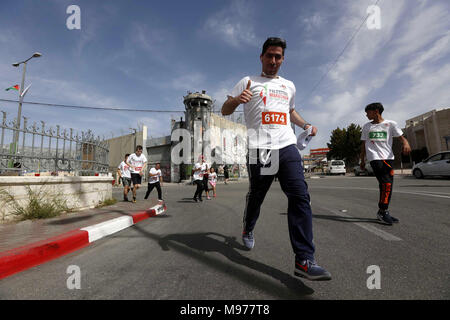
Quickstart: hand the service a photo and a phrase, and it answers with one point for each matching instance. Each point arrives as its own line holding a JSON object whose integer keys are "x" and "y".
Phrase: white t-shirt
{"x": 154, "y": 179}
{"x": 267, "y": 114}
{"x": 124, "y": 170}
{"x": 212, "y": 177}
{"x": 378, "y": 139}
{"x": 198, "y": 175}
{"x": 137, "y": 162}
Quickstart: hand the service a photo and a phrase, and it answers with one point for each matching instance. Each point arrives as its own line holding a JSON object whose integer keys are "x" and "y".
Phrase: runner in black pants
{"x": 154, "y": 181}
{"x": 377, "y": 137}
{"x": 197, "y": 174}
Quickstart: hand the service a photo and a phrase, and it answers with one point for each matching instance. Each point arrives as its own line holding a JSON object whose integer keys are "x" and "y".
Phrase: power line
{"x": 94, "y": 108}
{"x": 340, "y": 54}
{"x": 97, "y": 108}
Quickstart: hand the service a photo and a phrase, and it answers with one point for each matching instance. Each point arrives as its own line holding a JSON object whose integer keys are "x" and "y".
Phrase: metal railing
{"x": 41, "y": 149}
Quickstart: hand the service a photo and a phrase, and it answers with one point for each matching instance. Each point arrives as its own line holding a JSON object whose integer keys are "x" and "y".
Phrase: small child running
{"x": 212, "y": 180}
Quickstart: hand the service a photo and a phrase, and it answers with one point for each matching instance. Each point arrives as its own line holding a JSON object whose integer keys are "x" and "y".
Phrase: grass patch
{"x": 41, "y": 204}
{"x": 107, "y": 202}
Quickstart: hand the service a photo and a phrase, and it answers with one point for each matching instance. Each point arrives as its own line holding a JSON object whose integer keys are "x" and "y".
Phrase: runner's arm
{"x": 406, "y": 148}
{"x": 362, "y": 155}
{"x": 230, "y": 105}
{"x": 299, "y": 121}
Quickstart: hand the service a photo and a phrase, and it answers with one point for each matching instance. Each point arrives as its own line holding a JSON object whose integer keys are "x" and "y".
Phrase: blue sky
{"x": 148, "y": 54}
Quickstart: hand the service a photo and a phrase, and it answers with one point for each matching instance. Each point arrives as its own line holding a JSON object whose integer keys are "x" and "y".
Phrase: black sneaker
{"x": 195, "y": 199}
{"x": 134, "y": 199}
{"x": 385, "y": 217}
{"x": 310, "y": 270}
{"x": 394, "y": 220}
{"x": 200, "y": 199}
{"x": 125, "y": 199}
{"x": 248, "y": 239}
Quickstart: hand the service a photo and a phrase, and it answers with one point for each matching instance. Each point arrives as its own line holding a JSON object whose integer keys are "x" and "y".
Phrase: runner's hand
{"x": 313, "y": 132}
{"x": 246, "y": 95}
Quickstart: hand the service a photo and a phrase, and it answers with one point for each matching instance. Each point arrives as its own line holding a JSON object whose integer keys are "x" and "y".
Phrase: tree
{"x": 345, "y": 144}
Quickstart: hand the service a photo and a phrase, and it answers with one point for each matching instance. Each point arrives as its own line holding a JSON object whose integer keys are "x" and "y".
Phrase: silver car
{"x": 436, "y": 165}
{"x": 368, "y": 171}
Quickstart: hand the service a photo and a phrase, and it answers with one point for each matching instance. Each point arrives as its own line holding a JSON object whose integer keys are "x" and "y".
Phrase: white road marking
{"x": 383, "y": 234}
{"x": 421, "y": 193}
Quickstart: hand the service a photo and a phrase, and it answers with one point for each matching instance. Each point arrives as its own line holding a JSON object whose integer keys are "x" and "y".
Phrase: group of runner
{"x": 204, "y": 177}
{"x": 131, "y": 171}
{"x": 269, "y": 110}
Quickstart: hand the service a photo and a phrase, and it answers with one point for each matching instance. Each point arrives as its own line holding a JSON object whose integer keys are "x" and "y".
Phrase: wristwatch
{"x": 306, "y": 124}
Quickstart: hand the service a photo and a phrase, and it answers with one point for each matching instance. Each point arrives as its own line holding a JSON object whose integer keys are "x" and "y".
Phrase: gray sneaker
{"x": 248, "y": 239}
{"x": 311, "y": 271}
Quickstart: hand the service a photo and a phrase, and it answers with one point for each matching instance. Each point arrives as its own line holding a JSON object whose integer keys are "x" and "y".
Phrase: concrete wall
{"x": 80, "y": 192}
{"x": 233, "y": 150}
{"x": 122, "y": 145}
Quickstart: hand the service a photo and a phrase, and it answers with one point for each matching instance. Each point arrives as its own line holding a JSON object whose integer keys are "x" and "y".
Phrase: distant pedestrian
{"x": 123, "y": 170}
{"x": 137, "y": 162}
{"x": 155, "y": 181}
{"x": 212, "y": 180}
{"x": 197, "y": 173}
{"x": 226, "y": 174}
{"x": 377, "y": 137}
{"x": 205, "y": 182}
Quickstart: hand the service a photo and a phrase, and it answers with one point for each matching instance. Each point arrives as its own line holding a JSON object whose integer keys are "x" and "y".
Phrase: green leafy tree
{"x": 345, "y": 144}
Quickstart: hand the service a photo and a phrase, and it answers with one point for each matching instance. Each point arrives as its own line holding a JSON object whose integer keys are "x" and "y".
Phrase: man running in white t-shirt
{"x": 137, "y": 162}
{"x": 377, "y": 137}
{"x": 269, "y": 109}
{"x": 155, "y": 181}
{"x": 124, "y": 172}
{"x": 197, "y": 174}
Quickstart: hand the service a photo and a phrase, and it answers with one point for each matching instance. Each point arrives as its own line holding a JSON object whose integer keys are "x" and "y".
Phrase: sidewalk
{"x": 38, "y": 241}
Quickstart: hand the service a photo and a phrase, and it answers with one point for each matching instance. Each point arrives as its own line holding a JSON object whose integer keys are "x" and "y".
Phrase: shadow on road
{"x": 346, "y": 219}
{"x": 195, "y": 245}
{"x": 342, "y": 219}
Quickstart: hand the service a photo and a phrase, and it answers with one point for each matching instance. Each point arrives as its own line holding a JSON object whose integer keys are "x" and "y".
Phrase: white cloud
{"x": 232, "y": 25}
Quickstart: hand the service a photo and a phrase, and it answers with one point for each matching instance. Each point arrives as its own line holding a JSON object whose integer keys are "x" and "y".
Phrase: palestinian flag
{"x": 16, "y": 87}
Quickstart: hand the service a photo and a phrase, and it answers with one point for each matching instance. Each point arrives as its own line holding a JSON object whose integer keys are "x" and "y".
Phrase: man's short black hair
{"x": 138, "y": 147}
{"x": 375, "y": 106}
{"x": 274, "y": 41}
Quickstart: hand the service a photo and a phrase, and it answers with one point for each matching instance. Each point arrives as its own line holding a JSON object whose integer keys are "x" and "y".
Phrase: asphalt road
{"x": 194, "y": 251}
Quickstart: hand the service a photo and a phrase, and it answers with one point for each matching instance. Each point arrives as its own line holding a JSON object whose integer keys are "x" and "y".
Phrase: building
{"x": 218, "y": 139}
{"x": 430, "y": 130}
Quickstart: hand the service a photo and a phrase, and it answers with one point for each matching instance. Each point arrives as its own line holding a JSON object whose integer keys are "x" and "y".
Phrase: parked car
{"x": 368, "y": 171}
{"x": 436, "y": 165}
{"x": 336, "y": 167}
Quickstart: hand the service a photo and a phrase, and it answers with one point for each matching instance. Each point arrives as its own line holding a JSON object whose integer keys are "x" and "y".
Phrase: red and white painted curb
{"x": 25, "y": 257}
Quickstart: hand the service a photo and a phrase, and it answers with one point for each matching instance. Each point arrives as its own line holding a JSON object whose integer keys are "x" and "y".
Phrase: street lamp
{"x": 19, "y": 113}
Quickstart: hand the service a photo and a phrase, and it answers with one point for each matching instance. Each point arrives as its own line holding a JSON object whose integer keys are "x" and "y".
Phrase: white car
{"x": 336, "y": 167}
{"x": 436, "y": 165}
